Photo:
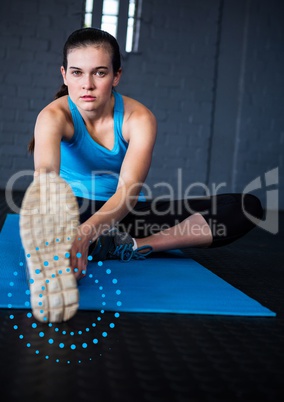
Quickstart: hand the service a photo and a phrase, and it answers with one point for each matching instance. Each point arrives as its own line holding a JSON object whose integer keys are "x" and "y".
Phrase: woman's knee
{"x": 251, "y": 205}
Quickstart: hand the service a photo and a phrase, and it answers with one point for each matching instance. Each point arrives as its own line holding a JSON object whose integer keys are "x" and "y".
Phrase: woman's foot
{"x": 118, "y": 245}
{"x": 49, "y": 219}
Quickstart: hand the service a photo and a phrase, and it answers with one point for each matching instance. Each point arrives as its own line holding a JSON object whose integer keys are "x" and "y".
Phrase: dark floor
{"x": 159, "y": 357}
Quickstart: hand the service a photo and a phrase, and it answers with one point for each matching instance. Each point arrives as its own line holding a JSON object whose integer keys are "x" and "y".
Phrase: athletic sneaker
{"x": 49, "y": 219}
{"x": 118, "y": 245}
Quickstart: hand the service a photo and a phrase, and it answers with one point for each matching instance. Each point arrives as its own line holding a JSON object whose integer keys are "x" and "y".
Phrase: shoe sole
{"x": 49, "y": 218}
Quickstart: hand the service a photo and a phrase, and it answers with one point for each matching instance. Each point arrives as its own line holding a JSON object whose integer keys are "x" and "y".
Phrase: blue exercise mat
{"x": 172, "y": 284}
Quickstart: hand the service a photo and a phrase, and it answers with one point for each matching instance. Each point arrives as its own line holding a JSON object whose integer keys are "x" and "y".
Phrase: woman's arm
{"x": 51, "y": 125}
{"x": 140, "y": 131}
{"x": 142, "y": 134}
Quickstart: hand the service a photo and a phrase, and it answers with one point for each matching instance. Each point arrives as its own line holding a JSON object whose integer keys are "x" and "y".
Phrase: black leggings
{"x": 226, "y": 214}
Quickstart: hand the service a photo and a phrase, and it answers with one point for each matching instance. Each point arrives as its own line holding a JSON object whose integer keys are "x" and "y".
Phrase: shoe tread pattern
{"x": 48, "y": 222}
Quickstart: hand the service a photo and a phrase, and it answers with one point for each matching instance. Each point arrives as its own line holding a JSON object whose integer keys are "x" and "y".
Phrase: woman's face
{"x": 89, "y": 77}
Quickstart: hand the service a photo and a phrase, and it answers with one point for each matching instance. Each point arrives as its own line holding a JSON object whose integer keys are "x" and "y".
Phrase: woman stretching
{"x": 92, "y": 153}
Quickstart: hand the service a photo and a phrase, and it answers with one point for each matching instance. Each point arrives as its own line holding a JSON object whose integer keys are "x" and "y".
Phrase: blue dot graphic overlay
{"x": 57, "y": 341}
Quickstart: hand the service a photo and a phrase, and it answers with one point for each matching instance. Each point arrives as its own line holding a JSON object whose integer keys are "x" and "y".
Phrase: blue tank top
{"x": 92, "y": 170}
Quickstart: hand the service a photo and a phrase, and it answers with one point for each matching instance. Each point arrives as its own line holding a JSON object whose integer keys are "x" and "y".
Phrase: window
{"x": 121, "y": 18}
{"x": 133, "y": 25}
{"x": 88, "y": 13}
{"x": 110, "y": 16}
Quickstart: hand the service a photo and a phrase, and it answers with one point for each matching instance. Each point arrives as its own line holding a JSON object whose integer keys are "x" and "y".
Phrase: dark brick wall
{"x": 210, "y": 70}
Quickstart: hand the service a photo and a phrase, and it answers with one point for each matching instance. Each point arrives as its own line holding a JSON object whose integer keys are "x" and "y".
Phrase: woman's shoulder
{"x": 56, "y": 114}
{"x": 57, "y": 110}
{"x": 134, "y": 109}
{"x": 58, "y": 106}
{"x": 138, "y": 118}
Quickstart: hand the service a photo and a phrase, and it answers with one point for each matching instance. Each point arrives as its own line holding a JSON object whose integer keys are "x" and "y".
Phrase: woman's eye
{"x": 76, "y": 73}
{"x": 100, "y": 73}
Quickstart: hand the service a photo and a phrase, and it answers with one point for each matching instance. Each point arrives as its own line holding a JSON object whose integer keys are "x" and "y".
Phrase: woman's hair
{"x": 82, "y": 38}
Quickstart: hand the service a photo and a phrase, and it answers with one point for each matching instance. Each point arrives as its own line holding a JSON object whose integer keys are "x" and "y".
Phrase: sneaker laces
{"x": 137, "y": 255}
{"x": 123, "y": 252}
{"x": 126, "y": 253}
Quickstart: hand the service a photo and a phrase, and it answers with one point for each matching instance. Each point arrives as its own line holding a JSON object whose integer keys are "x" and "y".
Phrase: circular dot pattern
{"x": 44, "y": 335}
